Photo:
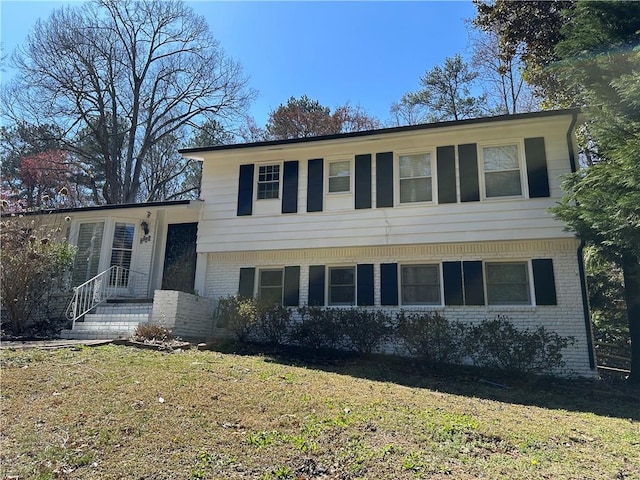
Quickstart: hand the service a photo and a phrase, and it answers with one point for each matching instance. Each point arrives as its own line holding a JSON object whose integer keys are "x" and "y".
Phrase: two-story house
{"x": 450, "y": 216}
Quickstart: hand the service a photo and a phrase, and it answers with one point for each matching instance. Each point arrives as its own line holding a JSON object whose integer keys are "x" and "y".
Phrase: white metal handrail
{"x": 97, "y": 290}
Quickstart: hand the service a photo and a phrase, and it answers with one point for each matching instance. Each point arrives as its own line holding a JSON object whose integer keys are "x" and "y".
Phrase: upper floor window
{"x": 342, "y": 286}
{"x": 501, "y": 171}
{"x": 420, "y": 285}
{"x": 270, "y": 286}
{"x": 507, "y": 283}
{"x": 268, "y": 181}
{"x": 415, "y": 178}
{"x": 339, "y": 176}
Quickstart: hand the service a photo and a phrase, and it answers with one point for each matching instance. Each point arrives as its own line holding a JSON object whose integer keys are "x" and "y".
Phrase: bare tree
{"x": 130, "y": 75}
{"x": 500, "y": 74}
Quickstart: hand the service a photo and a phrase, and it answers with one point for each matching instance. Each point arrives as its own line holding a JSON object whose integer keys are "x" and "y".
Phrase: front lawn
{"x": 120, "y": 412}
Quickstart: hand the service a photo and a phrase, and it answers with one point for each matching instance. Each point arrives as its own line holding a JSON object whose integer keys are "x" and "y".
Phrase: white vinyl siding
{"x": 270, "y": 285}
{"x": 340, "y": 225}
{"x": 340, "y": 176}
{"x": 507, "y": 283}
{"x": 415, "y": 178}
{"x": 342, "y": 285}
{"x": 502, "y": 176}
{"x": 420, "y": 284}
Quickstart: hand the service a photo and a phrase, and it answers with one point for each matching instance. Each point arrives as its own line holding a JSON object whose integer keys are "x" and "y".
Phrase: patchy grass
{"x": 119, "y": 412}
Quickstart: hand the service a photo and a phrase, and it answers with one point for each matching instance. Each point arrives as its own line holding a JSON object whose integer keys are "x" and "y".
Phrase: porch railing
{"x": 113, "y": 282}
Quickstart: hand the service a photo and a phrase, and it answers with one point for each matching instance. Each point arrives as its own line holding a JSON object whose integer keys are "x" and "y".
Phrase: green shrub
{"x": 273, "y": 322}
{"x": 240, "y": 315}
{"x": 430, "y": 336}
{"x": 497, "y": 343}
{"x": 364, "y": 330}
{"x": 318, "y": 328}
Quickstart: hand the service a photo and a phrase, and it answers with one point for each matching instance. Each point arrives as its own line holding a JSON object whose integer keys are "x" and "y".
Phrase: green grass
{"x": 119, "y": 412}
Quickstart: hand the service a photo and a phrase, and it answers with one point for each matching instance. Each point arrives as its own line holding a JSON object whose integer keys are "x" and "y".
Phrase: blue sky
{"x": 365, "y": 53}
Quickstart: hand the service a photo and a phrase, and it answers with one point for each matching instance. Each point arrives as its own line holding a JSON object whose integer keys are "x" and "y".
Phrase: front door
{"x": 179, "y": 271}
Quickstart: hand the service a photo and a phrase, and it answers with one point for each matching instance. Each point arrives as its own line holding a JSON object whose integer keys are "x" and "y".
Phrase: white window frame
{"x": 258, "y": 286}
{"x": 522, "y": 169}
{"x": 329, "y": 285}
{"x": 434, "y": 179}
{"x": 529, "y": 275}
{"x": 401, "y": 285}
{"x": 257, "y": 181}
{"x": 328, "y": 176}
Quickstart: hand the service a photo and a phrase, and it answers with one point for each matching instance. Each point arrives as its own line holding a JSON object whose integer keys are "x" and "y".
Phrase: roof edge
{"x": 165, "y": 203}
{"x": 365, "y": 133}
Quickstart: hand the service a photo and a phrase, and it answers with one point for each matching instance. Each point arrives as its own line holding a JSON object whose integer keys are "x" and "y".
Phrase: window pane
{"x": 342, "y": 276}
{"x": 342, "y": 286}
{"x": 503, "y": 184}
{"x": 415, "y": 165}
{"x": 271, "y": 277}
{"x": 420, "y": 274}
{"x": 270, "y": 286}
{"x": 123, "y": 235}
{"x": 500, "y": 158}
{"x": 339, "y": 169}
{"x": 270, "y": 295}
{"x": 339, "y": 184}
{"x": 268, "y": 181}
{"x": 420, "y": 294}
{"x": 342, "y": 295}
{"x": 507, "y": 283}
{"x": 415, "y": 190}
{"x": 506, "y": 273}
{"x": 88, "y": 255}
{"x": 420, "y": 284}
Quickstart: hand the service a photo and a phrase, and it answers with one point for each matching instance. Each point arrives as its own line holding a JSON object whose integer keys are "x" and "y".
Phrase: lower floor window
{"x": 507, "y": 283}
{"x": 342, "y": 285}
{"x": 270, "y": 286}
{"x": 420, "y": 285}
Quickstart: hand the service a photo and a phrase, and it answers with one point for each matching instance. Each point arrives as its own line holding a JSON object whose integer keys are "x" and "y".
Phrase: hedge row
{"x": 494, "y": 343}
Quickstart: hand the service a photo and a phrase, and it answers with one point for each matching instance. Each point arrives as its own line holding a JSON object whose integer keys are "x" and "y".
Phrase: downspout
{"x": 581, "y": 269}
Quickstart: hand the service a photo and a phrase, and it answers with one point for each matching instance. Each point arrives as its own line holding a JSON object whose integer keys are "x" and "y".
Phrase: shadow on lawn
{"x": 612, "y": 397}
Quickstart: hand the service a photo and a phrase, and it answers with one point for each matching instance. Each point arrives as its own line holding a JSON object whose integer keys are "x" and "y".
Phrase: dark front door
{"x": 179, "y": 270}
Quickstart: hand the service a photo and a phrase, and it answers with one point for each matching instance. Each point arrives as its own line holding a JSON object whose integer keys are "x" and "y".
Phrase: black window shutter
{"x": 316, "y": 285}
{"x": 247, "y": 279}
{"x": 245, "y": 190}
{"x": 363, "y": 181}
{"x": 537, "y": 175}
{"x": 290, "y": 187}
{"x": 453, "y": 293}
{"x": 468, "y": 160}
{"x": 446, "y": 161}
{"x": 364, "y": 279}
{"x": 389, "y": 284}
{"x": 291, "y": 286}
{"x": 473, "y": 283}
{"x": 544, "y": 282}
{"x": 384, "y": 179}
{"x": 315, "y": 185}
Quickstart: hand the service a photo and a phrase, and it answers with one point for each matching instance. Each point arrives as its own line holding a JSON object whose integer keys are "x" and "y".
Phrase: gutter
{"x": 581, "y": 270}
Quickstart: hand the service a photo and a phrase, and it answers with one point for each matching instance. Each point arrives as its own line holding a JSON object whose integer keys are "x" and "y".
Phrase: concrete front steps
{"x": 110, "y": 321}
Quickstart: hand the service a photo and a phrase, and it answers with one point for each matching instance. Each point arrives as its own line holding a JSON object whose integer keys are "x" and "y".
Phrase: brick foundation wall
{"x": 566, "y": 318}
{"x": 188, "y": 316}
